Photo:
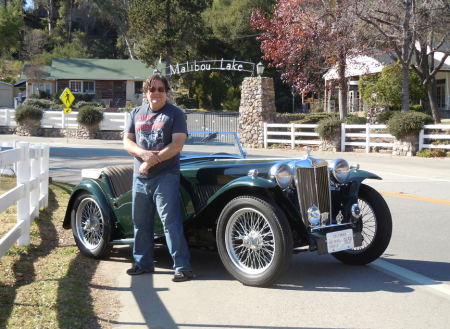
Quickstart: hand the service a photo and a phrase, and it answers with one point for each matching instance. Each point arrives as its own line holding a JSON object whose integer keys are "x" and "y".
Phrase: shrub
{"x": 233, "y": 99}
{"x": 41, "y": 103}
{"x": 406, "y": 123}
{"x": 328, "y": 127}
{"x": 28, "y": 112}
{"x": 432, "y": 153}
{"x": 355, "y": 120}
{"x": 81, "y": 104}
{"x": 89, "y": 115}
{"x": 383, "y": 117}
{"x": 313, "y": 117}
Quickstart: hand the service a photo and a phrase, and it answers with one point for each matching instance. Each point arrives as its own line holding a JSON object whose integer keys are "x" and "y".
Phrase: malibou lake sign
{"x": 221, "y": 65}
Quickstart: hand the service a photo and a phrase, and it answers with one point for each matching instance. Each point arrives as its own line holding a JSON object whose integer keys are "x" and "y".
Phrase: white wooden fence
{"x": 59, "y": 119}
{"x": 367, "y": 135}
{"x": 31, "y": 191}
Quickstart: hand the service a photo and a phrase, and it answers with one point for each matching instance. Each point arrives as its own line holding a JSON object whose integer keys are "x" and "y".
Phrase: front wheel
{"x": 376, "y": 229}
{"x": 90, "y": 229}
{"x": 254, "y": 240}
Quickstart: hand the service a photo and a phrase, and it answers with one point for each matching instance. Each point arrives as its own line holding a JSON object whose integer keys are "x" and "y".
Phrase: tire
{"x": 254, "y": 240}
{"x": 90, "y": 229}
{"x": 376, "y": 229}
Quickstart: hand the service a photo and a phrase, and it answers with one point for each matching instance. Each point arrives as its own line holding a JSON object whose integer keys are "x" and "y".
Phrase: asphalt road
{"x": 408, "y": 287}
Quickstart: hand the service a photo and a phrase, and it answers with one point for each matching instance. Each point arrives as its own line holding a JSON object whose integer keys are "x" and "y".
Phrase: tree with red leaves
{"x": 305, "y": 38}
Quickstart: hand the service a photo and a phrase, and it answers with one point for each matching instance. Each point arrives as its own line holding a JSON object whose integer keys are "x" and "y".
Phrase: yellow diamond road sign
{"x": 67, "y": 97}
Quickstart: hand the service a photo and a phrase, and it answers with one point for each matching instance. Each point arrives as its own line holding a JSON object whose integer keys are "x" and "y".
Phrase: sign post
{"x": 67, "y": 98}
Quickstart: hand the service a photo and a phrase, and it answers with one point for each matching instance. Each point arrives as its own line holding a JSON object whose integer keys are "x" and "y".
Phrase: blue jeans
{"x": 162, "y": 194}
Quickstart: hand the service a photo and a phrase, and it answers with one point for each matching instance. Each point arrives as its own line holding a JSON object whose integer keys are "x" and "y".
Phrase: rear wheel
{"x": 376, "y": 229}
{"x": 254, "y": 240}
{"x": 90, "y": 229}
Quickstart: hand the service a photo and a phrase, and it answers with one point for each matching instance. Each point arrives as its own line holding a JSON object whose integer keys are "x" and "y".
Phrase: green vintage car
{"x": 255, "y": 212}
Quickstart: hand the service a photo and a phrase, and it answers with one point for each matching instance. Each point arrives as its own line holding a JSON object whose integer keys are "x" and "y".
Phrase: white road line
{"x": 419, "y": 280}
{"x": 379, "y": 173}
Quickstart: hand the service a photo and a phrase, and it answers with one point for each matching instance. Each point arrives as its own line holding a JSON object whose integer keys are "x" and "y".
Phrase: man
{"x": 155, "y": 134}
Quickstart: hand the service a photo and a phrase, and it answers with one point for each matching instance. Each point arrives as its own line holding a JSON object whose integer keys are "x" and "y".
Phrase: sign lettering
{"x": 220, "y": 65}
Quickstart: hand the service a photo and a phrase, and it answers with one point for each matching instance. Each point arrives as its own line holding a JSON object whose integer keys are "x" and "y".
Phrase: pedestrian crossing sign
{"x": 67, "y": 110}
{"x": 67, "y": 98}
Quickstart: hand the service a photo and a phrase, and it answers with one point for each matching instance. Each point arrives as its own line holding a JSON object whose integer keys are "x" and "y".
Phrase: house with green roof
{"x": 113, "y": 81}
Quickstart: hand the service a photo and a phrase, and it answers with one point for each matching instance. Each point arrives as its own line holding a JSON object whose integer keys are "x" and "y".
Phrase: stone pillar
{"x": 406, "y": 146}
{"x": 257, "y": 106}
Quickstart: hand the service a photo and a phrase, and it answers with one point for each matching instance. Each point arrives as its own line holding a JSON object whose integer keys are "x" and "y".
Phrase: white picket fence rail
{"x": 367, "y": 135}
{"x": 31, "y": 192}
{"x": 59, "y": 119}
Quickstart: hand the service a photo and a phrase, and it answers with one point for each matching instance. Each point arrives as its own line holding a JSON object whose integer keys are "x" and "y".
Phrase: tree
{"x": 305, "y": 38}
{"x": 48, "y": 6}
{"x": 385, "y": 88}
{"x": 115, "y": 12}
{"x": 11, "y": 25}
{"x": 394, "y": 20}
{"x": 33, "y": 43}
{"x": 166, "y": 29}
{"x": 431, "y": 35}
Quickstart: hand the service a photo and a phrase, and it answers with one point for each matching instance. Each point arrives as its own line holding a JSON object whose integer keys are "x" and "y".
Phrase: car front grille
{"x": 313, "y": 188}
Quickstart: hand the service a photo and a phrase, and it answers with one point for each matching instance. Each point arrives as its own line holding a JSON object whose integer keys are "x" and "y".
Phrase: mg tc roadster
{"x": 255, "y": 212}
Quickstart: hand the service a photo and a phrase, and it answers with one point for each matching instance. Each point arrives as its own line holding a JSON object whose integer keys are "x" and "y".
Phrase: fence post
{"x": 367, "y": 137}
{"x": 63, "y": 120}
{"x": 35, "y": 174}
{"x": 45, "y": 171}
{"x": 23, "y": 204}
{"x": 292, "y": 136}
{"x": 7, "y": 118}
{"x": 343, "y": 137}
{"x": 421, "y": 139}
{"x": 265, "y": 135}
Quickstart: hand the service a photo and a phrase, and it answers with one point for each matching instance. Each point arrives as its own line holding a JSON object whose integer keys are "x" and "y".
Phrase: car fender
{"x": 207, "y": 216}
{"x": 93, "y": 188}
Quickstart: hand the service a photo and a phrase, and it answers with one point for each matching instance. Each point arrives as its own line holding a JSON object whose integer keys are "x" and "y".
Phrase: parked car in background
{"x": 255, "y": 212}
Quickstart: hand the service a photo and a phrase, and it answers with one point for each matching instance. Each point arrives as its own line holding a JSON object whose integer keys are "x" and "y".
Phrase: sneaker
{"x": 136, "y": 269}
{"x": 182, "y": 276}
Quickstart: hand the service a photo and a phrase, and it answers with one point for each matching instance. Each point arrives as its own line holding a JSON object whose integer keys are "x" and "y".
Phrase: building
{"x": 362, "y": 65}
{"x": 113, "y": 81}
{"x": 6, "y": 94}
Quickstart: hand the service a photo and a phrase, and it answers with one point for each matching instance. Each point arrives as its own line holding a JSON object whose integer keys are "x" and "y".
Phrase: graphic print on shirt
{"x": 150, "y": 132}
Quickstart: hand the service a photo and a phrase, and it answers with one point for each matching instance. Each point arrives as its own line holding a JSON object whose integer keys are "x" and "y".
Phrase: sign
{"x": 67, "y": 110}
{"x": 67, "y": 98}
{"x": 219, "y": 65}
{"x": 340, "y": 240}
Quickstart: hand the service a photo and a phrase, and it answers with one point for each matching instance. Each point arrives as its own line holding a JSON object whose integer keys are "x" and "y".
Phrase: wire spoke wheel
{"x": 89, "y": 223}
{"x": 250, "y": 241}
{"x": 369, "y": 225}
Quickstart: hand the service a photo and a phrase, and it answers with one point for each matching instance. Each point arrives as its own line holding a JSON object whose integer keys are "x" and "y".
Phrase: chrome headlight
{"x": 340, "y": 170}
{"x": 282, "y": 175}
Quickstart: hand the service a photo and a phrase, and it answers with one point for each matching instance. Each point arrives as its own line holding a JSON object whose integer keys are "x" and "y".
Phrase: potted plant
{"x": 89, "y": 118}
{"x": 29, "y": 119}
{"x": 405, "y": 127}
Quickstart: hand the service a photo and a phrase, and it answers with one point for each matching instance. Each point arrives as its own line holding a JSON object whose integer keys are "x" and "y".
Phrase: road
{"x": 408, "y": 287}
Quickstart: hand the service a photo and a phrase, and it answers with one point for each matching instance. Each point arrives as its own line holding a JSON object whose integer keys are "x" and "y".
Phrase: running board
{"x": 123, "y": 241}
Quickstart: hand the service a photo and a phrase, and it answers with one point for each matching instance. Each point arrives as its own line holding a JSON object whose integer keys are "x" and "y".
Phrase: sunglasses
{"x": 160, "y": 89}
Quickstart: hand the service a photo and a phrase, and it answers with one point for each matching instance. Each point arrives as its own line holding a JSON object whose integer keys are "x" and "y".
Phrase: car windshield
{"x": 205, "y": 143}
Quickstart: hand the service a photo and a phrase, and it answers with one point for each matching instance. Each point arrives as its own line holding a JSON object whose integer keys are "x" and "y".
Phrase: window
{"x": 78, "y": 86}
{"x": 47, "y": 87}
{"x": 138, "y": 87}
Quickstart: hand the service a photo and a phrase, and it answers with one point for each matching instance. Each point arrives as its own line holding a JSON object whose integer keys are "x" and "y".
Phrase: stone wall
{"x": 79, "y": 133}
{"x": 257, "y": 106}
{"x": 406, "y": 146}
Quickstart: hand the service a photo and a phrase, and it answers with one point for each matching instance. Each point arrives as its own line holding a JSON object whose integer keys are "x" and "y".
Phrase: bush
{"x": 81, "y": 104}
{"x": 383, "y": 117}
{"x": 432, "y": 153}
{"x": 355, "y": 120}
{"x": 89, "y": 116}
{"x": 41, "y": 103}
{"x": 311, "y": 118}
{"x": 406, "y": 123}
{"x": 28, "y": 112}
{"x": 233, "y": 99}
{"x": 328, "y": 127}
{"x": 84, "y": 97}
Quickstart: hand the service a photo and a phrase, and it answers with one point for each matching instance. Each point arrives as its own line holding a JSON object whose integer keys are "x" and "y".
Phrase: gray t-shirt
{"x": 153, "y": 131}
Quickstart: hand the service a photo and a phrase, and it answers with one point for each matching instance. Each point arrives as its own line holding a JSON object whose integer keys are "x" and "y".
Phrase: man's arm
{"x": 172, "y": 149}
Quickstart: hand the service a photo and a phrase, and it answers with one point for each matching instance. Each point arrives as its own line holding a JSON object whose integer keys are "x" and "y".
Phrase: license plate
{"x": 341, "y": 240}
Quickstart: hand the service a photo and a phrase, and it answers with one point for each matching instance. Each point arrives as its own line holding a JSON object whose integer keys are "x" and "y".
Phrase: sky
{"x": 29, "y": 4}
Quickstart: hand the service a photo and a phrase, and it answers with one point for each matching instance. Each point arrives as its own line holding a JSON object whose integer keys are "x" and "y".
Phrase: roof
{"x": 374, "y": 64}
{"x": 44, "y": 68}
{"x": 100, "y": 69}
{"x": 6, "y": 83}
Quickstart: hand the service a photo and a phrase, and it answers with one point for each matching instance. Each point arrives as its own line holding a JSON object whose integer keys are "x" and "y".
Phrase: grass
{"x": 49, "y": 284}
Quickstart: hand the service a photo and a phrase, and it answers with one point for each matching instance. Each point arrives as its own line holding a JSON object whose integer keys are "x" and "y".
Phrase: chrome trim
{"x": 253, "y": 173}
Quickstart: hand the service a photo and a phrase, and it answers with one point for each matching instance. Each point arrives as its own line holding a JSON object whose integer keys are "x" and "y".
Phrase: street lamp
{"x": 259, "y": 68}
